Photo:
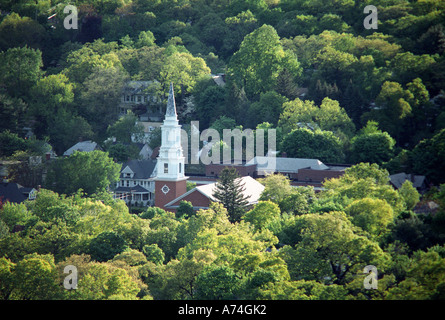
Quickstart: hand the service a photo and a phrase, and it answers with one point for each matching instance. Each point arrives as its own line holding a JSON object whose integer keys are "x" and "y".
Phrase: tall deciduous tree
{"x": 259, "y": 61}
{"x": 372, "y": 145}
{"x": 20, "y": 68}
{"x": 318, "y": 144}
{"x": 91, "y": 171}
{"x": 229, "y": 191}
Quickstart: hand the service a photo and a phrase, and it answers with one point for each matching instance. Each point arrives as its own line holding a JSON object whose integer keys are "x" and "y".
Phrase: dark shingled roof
{"x": 142, "y": 168}
{"x": 132, "y": 189}
{"x": 11, "y": 192}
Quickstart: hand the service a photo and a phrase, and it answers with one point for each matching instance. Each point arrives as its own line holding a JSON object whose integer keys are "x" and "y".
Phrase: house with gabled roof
{"x": 418, "y": 181}
{"x": 136, "y": 182}
{"x": 13, "y": 192}
{"x": 85, "y": 146}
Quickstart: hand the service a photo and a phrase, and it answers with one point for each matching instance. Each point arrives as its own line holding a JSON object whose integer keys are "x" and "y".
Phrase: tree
{"x": 361, "y": 181}
{"x": 318, "y": 144}
{"x": 372, "y": 145}
{"x": 372, "y": 215}
{"x": 263, "y": 214}
{"x": 329, "y": 251}
{"x": 154, "y": 253}
{"x": 209, "y": 103}
{"x": 295, "y": 112}
{"x": 35, "y": 278}
{"x": 393, "y": 107}
{"x": 424, "y": 279}
{"x": 259, "y": 61}
{"x": 100, "y": 95}
{"x": 365, "y": 170}
{"x": 409, "y": 194}
{"x": 217, "y": 283}
{"x": 428, "y": 156}
{"x": 90, "y": 171}
{"x": 267, "y": 109}
{"x": 145, "y": 39}
{"x": 10, "y": 143}
{"x": 126, "y": 129}
{"x": 20, "y": 68}
{"x": 105, "y": 246}
{"x": 19, "y": 31}
{"x": 65, "y": 129}
{"x": 329, "y": 116}
{"x": 184, "y": 70}
{"x": 229, "y": 191}
{"x": 185, "y": 209}
{"x": 48, "y": 96}
{"x": 276, "y": 188}
{"x": 13, "y": 113}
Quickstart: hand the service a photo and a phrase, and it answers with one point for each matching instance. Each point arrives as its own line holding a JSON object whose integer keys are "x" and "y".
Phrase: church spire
{"x": 171, "y": 105}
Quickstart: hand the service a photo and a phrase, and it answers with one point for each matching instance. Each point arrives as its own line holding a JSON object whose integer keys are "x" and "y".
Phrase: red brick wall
{"x": 177, "y": 188}
{"x": 196, "y": 198}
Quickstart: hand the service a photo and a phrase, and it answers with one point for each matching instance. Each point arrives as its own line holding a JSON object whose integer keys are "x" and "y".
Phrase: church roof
{"x": 171, "y": 104}
{"x": 253, "y": 190}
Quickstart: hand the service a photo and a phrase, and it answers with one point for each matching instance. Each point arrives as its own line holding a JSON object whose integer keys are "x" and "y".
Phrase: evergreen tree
{"x": 229, "y": 191}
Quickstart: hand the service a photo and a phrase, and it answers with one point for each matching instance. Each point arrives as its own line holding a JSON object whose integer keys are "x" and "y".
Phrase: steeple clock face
{"x": 165, "y": 189}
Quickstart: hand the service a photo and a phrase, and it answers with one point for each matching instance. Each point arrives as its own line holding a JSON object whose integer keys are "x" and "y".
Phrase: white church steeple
{"x": 170, "y": 181}
{"x": 170, "y": 164}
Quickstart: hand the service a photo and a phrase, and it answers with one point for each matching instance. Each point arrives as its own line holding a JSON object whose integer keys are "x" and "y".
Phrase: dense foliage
{"x": 294, "y": 244}
{"x": 334, "y": 91}
{"x": 292, "y": 64}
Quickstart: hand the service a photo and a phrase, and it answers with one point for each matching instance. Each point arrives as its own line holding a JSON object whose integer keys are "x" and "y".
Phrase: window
{"x": 128, "y": 183}
{"x": 180, "y": 168}
{"x": 128, "y": 98}
{"x": 139, "y": 99}
{"x": 165, "y": 167}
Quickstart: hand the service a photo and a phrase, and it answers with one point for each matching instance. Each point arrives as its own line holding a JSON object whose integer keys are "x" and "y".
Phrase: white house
{"x": 136, "y": 182}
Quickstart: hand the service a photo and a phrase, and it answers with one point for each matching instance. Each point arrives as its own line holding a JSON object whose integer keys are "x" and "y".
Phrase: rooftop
{"x": 273, "y": 164}
{"x": 142, "y": 169}
{"x": 86, "y": 146}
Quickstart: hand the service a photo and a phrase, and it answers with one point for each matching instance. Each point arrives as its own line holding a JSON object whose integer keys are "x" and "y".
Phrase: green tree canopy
{"x": 90, "y": 171}
{"x": 259, "y": 61}
{"x": 318, "y": 144}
